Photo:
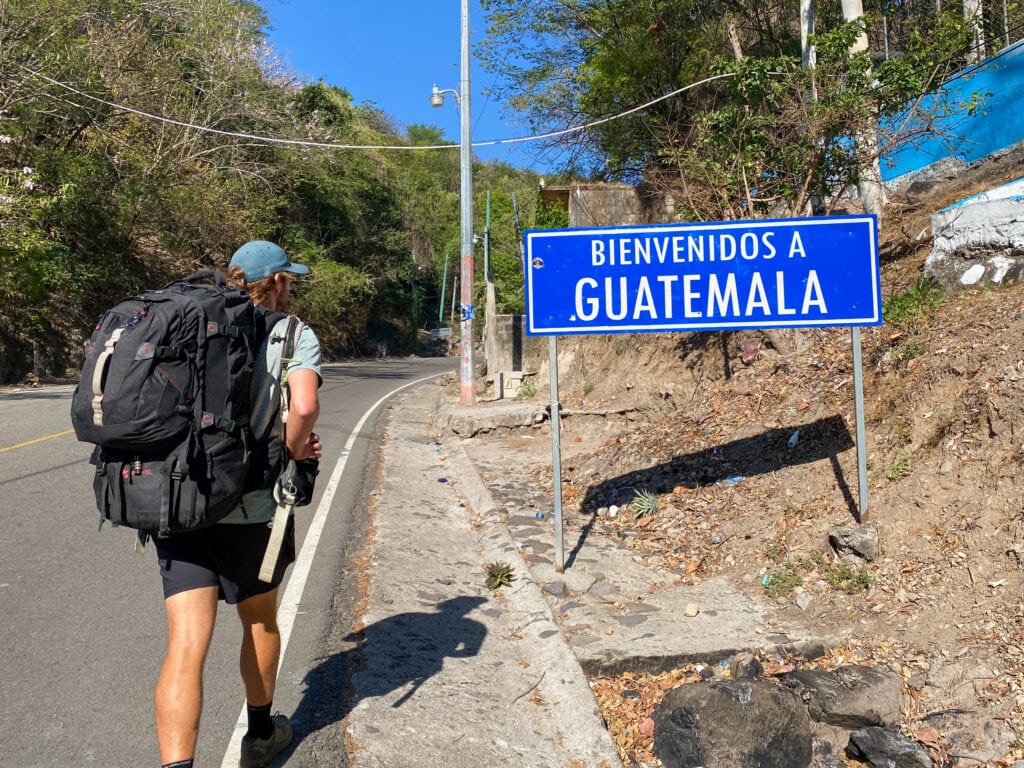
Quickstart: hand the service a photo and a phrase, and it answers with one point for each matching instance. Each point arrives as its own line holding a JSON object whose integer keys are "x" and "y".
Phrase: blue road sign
{"x": 779, "y": 273}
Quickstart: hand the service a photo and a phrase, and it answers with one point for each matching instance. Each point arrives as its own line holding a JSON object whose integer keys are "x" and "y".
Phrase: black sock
{"x": 260, "y": 724}
{"x": 179, "y": 764}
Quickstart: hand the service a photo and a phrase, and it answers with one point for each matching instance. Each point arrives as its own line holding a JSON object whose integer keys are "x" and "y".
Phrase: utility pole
{"x": 467, "y": 394}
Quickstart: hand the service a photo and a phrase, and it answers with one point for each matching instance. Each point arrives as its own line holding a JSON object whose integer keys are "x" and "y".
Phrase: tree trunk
{"x": 872, "y": 194}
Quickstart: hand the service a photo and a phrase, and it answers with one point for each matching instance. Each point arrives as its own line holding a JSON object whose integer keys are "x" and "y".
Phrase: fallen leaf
{"x": 647, "y": 727}
{"x": 928, "y": 736}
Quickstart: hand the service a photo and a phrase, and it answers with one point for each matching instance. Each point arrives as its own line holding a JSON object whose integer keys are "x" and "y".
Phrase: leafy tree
{"x": 127, "y": 160}
{"x": 766, "y": 136}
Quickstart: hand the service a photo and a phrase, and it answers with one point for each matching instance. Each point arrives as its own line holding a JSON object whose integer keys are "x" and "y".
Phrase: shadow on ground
{"x": 401, "y": 651}
{"x": 757, "y": 455}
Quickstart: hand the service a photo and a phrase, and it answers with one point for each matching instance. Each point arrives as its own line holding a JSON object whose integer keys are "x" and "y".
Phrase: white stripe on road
{"x": 289, "y": 606}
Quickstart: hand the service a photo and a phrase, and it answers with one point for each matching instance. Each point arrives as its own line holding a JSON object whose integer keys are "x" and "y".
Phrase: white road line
{"x": 289, "y": 605}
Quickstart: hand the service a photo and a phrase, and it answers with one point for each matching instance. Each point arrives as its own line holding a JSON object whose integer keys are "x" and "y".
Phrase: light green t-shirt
{"x": 259, "y": 506}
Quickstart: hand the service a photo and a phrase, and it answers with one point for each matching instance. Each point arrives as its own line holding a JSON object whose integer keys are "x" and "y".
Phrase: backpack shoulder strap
{"x": 287, "y": 356}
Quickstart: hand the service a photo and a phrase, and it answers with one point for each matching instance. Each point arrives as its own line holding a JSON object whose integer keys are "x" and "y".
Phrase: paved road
{"x": 81, "y": 617}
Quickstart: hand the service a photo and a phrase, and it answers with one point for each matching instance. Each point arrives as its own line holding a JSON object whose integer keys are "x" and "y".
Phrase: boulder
{"x": 849, "y": 697}
{"x": 887, "y": 748}
{"x": 860, "y": 540}
{"x": 732, "y": 723}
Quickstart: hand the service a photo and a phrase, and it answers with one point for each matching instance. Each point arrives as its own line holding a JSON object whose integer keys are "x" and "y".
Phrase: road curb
{"x": 568, "y": 687}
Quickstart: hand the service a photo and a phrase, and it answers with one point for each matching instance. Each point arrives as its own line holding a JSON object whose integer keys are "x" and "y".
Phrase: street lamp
{"x": 466, "y": 389}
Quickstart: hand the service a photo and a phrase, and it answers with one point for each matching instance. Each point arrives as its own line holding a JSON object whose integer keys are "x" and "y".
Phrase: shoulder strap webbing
{"x": 283, "y": 494}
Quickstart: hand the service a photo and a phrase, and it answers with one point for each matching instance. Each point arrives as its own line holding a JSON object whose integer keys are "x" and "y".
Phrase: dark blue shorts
{"x": 223, "y": 556}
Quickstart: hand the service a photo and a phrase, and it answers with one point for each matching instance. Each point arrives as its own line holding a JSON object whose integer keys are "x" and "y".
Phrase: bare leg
{"x": 179, "y": 690}
{"x": 261, "y": 647}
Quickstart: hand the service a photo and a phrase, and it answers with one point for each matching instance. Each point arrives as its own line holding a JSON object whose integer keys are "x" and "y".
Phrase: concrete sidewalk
{"x": 453, "y": 674}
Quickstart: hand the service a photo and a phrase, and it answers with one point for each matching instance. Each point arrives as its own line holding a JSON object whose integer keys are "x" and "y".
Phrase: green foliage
{"x": 782, "y": 582}
{"x": 900, "y": 467}
{"x": 528, "y": 388}
{"x": 334, "y": 300}
{"x": 508, "y": 281}
{"x": 765, "y": 138}
{"x": 551, "y": 216}
{"x": 914, "y": 309}
{"x": 499, "y": 575}
{"x": 115, "y": 201}
{"x": 841, "y": 576}
{"x": 644, "y": 504}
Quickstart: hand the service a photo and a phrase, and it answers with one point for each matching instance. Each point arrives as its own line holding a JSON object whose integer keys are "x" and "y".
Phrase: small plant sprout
{"x": 499, "y": 575}
{"x": 644, "y": 503}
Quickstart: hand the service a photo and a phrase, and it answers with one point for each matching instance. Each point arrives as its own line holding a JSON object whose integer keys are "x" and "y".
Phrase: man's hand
{"x": 311, "y": 448}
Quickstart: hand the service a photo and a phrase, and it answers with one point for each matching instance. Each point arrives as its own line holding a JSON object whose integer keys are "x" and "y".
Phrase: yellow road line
{"x": 37, "y": 440}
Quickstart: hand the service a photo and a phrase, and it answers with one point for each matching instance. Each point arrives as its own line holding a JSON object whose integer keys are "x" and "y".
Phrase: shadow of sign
{"x": 399, "y": 652}
{"x": 767, "y": 452}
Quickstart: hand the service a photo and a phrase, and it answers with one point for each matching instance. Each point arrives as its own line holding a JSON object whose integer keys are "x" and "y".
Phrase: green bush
{"x": 914, "y": 309}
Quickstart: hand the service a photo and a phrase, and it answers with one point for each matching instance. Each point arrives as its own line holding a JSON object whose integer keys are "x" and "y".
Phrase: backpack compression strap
{"x": 284, "y": 488}
{"x": 99, "y": 373}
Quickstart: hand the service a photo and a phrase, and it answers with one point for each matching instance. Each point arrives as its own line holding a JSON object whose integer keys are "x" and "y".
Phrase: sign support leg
{"x": 862, "y": 452}
{"x": 556, "y": 453}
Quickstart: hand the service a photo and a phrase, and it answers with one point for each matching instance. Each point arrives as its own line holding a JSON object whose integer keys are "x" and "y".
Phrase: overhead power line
{"x": 331, "y": 145}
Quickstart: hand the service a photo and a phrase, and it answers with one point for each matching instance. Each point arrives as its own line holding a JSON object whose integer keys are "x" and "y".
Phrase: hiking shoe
{"x": 256, "y": 753}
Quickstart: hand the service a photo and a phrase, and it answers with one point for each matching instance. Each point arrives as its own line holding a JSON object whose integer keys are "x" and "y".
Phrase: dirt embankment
{"x": 747, "y": 442}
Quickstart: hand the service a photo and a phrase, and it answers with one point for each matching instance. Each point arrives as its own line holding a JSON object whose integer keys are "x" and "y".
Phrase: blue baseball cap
{"x": 260, "y": 259}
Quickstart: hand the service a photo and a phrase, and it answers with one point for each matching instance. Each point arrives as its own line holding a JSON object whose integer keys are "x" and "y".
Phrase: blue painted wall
{"x": 996, "y": 125}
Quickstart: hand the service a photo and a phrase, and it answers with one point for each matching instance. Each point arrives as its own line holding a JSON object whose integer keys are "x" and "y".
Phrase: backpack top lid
{"x": 260, "y": 259}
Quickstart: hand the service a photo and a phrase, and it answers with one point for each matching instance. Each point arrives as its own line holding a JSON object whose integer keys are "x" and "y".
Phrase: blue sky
{"x": 391, "y": 52}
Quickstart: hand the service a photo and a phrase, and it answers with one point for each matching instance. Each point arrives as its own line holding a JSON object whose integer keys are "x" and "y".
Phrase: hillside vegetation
{"x": 140, "y": 141}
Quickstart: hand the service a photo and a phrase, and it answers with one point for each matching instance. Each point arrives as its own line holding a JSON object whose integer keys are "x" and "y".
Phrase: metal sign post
{"x": 556, "y": 453}
{"x": 862, "y": 457}
{"x": 820, "y": 271}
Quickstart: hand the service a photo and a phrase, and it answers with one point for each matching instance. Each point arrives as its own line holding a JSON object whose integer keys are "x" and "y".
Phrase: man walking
{"x": 222, "y": 562}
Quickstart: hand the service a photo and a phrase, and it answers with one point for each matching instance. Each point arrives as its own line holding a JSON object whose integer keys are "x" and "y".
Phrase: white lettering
{"x": 642, "y": 248}
{"x": 813, "y": 287}
{"x": 728, "y": 248}
{"x": 716, "y": 297}
{"x": 748, "y": 246}
{"x": 592, "y": 304}
{"x": 797, "y": 246}
{"x": 621, "y": 312}
{"x": 597, "y": 253}
{"x": 757, "y": 297}
{"x": 644, "y": 301}
{"x": 625, "y": 251}
{"x": 694, "y": 246}
{"x": 780, "y": 294}
{"x": 766, "y": 238}
{"x": 690, "y": 296}
{"x": 667, "y": 280}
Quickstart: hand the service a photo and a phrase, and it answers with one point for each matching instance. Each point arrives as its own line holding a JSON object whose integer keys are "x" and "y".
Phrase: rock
{"x": 918, "y": 682}
{"x": 803, "y": 601}
{"x": 824, "y": 755}
{"x": 749, "y": 723}
{"x": 745, "y": 666}
{"x": 860, "y": 540}
{"x": 850, "y": 697}
{"x": 887, "y": 748}
{"x": 556, "y": 588}
{"x": 691, "y": 610}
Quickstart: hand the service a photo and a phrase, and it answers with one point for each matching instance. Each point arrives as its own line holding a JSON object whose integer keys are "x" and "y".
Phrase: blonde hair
{"x": 258, "y": 290}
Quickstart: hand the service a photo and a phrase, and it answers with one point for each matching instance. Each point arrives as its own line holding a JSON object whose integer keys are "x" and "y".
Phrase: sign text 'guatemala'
{"x": 778, "y": 273}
